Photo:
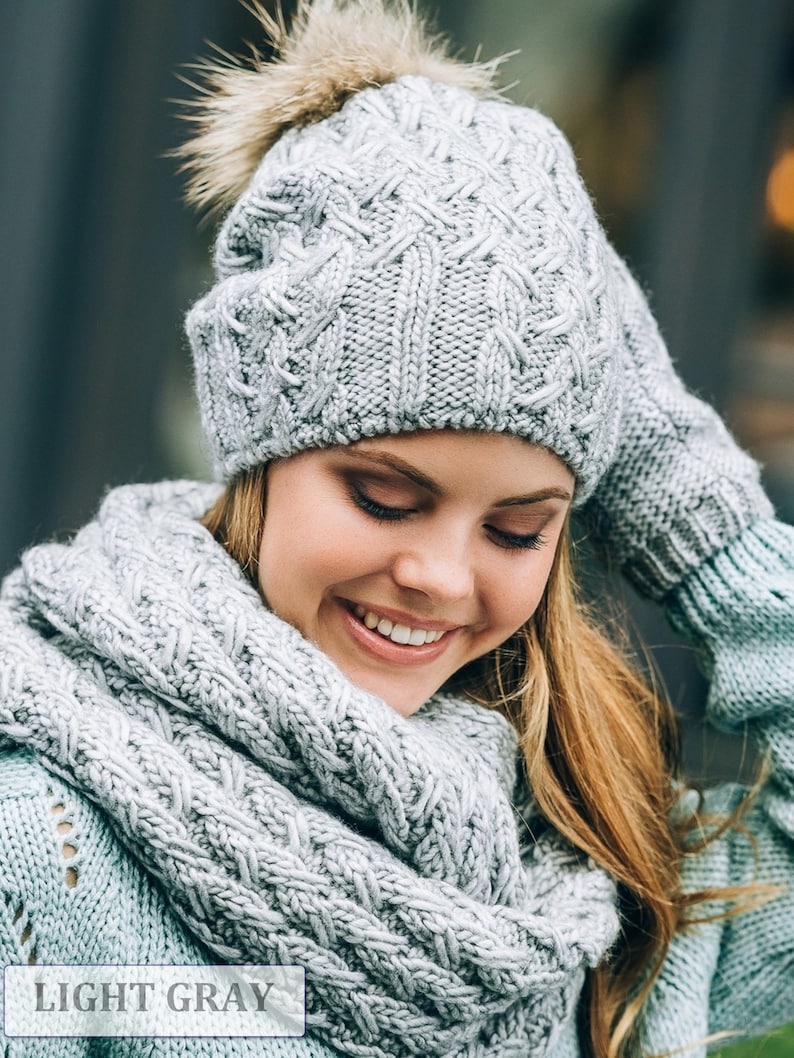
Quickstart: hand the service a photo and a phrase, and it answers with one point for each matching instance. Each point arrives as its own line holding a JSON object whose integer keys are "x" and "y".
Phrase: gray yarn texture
{"x": 678, "y": 489}
{"x": 420, "y": 259}
{"x": 289, "y": 816}
{"x": 427, "y": 259}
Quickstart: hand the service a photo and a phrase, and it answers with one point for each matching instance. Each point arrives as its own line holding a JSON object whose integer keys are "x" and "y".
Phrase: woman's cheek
{"x": 522, "y": 594}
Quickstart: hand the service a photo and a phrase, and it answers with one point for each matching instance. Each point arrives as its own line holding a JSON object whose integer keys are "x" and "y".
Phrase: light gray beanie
{"x": 418, "y": 258}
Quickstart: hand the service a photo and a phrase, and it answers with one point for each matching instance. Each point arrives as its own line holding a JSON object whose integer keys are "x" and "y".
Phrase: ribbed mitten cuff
{"x": 739, "y": 608}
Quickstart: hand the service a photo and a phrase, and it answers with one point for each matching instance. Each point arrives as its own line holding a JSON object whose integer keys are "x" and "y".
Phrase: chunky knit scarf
{"x": 289, "y": 816}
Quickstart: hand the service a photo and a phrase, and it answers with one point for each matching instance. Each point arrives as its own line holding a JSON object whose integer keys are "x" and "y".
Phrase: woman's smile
{"x": 395, "y": 637}
{"x": 404, "y": 558}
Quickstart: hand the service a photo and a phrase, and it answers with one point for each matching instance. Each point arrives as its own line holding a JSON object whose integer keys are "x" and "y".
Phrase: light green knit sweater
{"x": 70, "y": 894}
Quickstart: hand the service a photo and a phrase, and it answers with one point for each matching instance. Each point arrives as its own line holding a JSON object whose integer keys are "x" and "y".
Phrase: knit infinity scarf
{"x": 289, "y": 816}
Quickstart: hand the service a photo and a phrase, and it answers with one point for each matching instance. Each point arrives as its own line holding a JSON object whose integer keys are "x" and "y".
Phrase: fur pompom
{"x": 331, "y": 50}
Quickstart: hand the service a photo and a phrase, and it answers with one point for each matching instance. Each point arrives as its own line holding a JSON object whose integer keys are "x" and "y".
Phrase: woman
{"x": 361, "y": 724}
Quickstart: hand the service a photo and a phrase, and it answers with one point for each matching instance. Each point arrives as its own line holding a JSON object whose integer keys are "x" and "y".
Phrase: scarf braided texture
{"x": 289, "y": 816}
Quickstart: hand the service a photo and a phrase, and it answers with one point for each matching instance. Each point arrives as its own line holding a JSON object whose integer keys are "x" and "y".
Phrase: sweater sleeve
{"x": 740, "y": 606}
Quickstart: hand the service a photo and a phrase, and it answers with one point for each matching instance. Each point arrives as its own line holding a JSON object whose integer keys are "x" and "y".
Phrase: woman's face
{"x": 404, "y": 558}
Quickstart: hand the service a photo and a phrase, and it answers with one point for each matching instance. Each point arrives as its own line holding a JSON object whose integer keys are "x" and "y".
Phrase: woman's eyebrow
{"x": 402, "y": 468}
{"x": 552, "y": 492}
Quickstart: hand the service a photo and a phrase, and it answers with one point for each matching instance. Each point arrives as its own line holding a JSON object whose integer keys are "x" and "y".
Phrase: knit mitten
{"x": 679, "y": 488}
{"x": 739, "y": 607}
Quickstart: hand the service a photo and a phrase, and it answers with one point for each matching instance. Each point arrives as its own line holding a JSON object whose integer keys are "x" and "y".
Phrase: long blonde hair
{"x": 600, "y": 749}
{"x": 601, "y": 752}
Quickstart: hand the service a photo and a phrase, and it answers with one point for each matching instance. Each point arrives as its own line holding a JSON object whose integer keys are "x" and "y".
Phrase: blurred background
{"x": 681, "y": 113}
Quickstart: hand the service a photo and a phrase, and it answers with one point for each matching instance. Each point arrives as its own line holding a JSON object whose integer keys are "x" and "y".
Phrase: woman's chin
{"x": 403, "y": 700}
{"x": 403, "y": 676}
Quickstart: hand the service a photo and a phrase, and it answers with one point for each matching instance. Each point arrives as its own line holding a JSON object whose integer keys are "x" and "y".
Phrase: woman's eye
{"x": 516, "y": 541}
{"x": 379, "y": 510}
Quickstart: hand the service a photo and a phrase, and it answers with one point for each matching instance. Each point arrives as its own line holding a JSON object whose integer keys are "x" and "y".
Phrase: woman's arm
{"x": 736, "y": 974}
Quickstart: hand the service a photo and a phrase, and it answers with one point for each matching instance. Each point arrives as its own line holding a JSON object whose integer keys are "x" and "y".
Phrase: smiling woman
{"x": 446, "y": 533}
{"x": 344, "y": 711}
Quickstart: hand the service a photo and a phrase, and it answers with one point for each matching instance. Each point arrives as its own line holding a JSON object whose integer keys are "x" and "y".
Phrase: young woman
{"x": 345, "y": 711}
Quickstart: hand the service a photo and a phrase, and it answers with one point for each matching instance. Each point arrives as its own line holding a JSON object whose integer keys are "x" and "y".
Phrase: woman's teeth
{"x": 414, "y": 637}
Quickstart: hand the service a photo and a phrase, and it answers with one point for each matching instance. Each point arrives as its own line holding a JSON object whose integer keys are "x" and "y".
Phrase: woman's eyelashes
{"x": 380, "y": 511}
{"x": 516, "y": 541}
{"x": 383, "y": 512}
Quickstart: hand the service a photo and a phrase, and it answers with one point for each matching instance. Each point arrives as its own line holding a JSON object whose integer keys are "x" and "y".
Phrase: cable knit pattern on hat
{"x": 421, "y": 259}
{"x": 289, "y": 816}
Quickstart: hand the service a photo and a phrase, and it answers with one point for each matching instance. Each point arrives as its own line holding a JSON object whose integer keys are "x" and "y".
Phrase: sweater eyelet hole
{"x": 19, "y": 918}
{"x": 68, "y": 848}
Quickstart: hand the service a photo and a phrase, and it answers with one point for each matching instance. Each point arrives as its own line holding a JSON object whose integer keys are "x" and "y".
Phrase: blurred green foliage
{"x": 779, "y": 1044}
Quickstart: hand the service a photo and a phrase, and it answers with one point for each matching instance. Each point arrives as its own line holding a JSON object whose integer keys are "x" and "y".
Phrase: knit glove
{"x": 679, "y": 488}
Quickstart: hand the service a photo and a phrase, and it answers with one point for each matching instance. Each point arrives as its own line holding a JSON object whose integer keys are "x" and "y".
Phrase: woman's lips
{"x": 380, "y": 646}
{"x": 405, "y": 632}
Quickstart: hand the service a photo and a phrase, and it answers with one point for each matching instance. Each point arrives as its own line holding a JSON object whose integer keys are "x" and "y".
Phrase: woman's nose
{"x": 439, "y": 567}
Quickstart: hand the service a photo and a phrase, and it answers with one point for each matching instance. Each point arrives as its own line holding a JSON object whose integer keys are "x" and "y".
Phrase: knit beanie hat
{"x": 405, "y": 251}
